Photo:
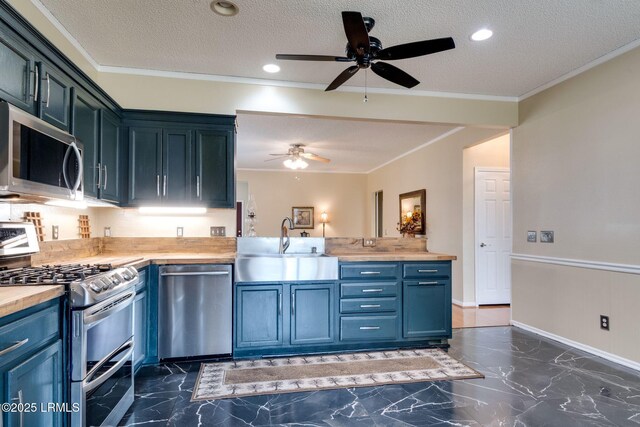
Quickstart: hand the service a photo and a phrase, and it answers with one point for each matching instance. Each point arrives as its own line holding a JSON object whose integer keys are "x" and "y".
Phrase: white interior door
{"x": 493, "y": 235}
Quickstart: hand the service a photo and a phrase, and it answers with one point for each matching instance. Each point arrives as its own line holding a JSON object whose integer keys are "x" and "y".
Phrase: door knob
{"x": 482, "y": 245}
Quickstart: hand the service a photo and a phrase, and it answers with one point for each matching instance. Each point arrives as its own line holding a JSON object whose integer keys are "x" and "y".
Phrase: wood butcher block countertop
{"x": 16, "y": 298}
{"x": 394, "y": 256}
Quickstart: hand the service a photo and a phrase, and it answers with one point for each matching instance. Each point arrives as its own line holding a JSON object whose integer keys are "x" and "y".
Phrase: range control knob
{"x": 95, "y": 287}
{"x": 126, "y": 275}
{"x": 106, "y": 284}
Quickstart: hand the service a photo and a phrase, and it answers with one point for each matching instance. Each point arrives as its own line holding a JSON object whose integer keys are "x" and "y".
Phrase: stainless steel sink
{"x": 285, "y": 267}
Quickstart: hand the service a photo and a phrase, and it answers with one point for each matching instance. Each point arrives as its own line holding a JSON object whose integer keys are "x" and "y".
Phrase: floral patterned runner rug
{"x": 240, "y": 378}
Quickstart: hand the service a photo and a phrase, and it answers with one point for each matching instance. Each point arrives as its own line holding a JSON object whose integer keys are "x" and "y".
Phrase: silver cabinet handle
{"x": 369, "y": 273}
{"x": 197, "y": 273}
{"x": 46, "y": 104}
{"x": 36, "y": 85}
{"x": 158, "y": 185}
{"x": 293, "y": 303}
{"x": 14, "y": 347}
{"x": 371, "y": 290}
{"x": 21, "y": 401}
{"x": 427, "y": 271}
{"x": 369, "y": 328}
{"x": 99, "y": 167}
{"x": 198, "y": 186}
{"x": 279, "y": 303}
{"x": 164, "y": 185}
{"x": 427, "y": 283}
{"x": 104, "y": 187}
{"x": 369, "y": 305}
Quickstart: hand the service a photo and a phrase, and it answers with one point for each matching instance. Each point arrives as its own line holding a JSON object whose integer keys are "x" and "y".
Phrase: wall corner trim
{"x": 597, "y": 352}
{"x": 464, "y": 303}
{"x": 580, "y": 263}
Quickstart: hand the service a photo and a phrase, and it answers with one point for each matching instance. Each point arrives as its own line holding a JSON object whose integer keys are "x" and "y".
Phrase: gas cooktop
{"x": 51, "y": 274}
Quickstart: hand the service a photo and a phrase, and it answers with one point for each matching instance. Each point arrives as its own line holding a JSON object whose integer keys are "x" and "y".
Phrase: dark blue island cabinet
{"x": 31, "y": 366}
{"x": 373, "y": 306}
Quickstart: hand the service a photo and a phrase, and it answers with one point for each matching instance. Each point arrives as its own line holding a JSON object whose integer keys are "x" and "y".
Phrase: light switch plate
{"x": 180, "y": 231}
{"x": 107, "y": 232}
{"x": 546, "y": 236}
{"x": 368, "y": 243}
{"x": 55, "y": 232}
{"x": 532, "y": 236}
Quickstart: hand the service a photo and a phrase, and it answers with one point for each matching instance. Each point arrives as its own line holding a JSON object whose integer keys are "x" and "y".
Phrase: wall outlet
{"x": 369, "y": 243}
{"x": 180, "y": 231}
{"x": 107, "y": 232}
{"x": 546, "y": 237}
{"x": 532, "y": 236}
{"x": 54, "y": 232}
{"x": 218, "y": 231}
{"x": 604, "y": 322}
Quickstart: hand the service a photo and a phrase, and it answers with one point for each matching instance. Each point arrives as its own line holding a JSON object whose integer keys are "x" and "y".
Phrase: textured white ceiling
{"x": 535, "y": 41}
{"x": 352, "y": 145}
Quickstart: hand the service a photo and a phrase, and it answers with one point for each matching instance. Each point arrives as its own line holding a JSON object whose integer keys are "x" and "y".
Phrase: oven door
{"x": 106, "y": 393}
{"x": 99, "y": 330}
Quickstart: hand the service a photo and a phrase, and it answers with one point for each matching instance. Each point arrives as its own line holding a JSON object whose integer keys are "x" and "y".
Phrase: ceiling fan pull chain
{"x": 365, "y": 100}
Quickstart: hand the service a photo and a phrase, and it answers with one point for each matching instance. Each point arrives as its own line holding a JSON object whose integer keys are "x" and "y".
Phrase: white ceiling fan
{"x": 295, "y": 157}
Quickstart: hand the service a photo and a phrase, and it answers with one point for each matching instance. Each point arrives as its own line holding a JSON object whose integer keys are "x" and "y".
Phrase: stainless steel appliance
{"x": 194, "y": 310}
{"x": 37, "y": 161}
{"x": 100, "y": 318}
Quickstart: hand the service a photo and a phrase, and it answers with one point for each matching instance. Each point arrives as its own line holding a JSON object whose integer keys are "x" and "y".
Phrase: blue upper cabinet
{"x": 180, "y": 159}
{"x": 55, "y": 96}
{"x": 18, "y": 73}
{"x": 110, "y": 155}
{"x": 86, "y": 128}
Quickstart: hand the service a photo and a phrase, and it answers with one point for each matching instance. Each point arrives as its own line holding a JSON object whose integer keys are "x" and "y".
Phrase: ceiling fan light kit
{"x": 364, "y": 50}
{"x": 295, "y": 157}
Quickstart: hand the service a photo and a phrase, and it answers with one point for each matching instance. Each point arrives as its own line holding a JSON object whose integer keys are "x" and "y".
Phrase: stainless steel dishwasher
{"x": 194, "y": 310}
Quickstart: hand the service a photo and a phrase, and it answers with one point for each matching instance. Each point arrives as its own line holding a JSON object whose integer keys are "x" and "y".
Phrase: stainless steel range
{"x": 100, "y": 315}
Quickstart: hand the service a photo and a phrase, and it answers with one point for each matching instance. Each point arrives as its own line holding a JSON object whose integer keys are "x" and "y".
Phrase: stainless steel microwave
{"x": 37, "y": 161}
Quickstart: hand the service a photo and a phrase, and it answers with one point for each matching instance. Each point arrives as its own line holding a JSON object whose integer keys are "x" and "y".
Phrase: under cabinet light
{"x": 75, "y": 204}
{"x": 167, "y": 210}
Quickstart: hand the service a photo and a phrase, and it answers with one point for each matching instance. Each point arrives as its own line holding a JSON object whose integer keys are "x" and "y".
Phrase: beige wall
{"x": 342, "y": 196}
{"x": 493, "y": 153}
{"x": 575, "y": 171}
{"x": 65, "y": 218}
{"x": 437, "y": 168}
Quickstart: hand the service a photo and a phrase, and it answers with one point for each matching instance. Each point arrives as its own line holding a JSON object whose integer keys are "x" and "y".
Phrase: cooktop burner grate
{"x": 51, "y": 274}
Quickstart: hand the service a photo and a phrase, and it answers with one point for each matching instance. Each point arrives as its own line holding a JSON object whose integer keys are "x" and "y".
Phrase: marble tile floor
{"x": 530, "y": 381}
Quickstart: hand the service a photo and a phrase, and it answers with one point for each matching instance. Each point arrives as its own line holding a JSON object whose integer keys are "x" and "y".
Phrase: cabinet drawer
{"x": 369, "y": 271}
{"x": 368, "y": 328}
{"x": 427, "y": 269}
{"x": 368, "y": 289}
{"x": 367, "y": 305}
{"x": 28, "y": 333}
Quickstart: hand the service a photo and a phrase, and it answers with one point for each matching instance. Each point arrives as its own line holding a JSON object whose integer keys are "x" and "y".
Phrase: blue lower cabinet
{"x": 312, "y": 314}
{"x": 426, "y": 309}
{"x": 36, "y": 382}
{"x": 258, "y": 315}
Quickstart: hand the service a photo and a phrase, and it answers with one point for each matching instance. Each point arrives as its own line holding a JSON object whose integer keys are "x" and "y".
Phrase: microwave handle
{"x": 76, "y": 185}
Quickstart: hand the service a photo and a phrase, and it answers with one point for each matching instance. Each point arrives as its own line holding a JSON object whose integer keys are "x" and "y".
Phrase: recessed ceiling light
{"x": 224, "y": 8}
{"x": 482, "y": 34}
{"x": 271, "y": 68}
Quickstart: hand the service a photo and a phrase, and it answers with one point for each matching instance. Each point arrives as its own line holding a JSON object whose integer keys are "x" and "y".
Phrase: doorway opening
{"x": 377, "y": 214}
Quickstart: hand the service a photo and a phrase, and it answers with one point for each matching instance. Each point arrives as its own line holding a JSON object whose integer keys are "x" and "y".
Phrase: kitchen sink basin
{"x": 294, "y": 267}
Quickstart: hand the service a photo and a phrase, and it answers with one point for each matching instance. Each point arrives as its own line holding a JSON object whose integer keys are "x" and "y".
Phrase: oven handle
{"x": 97, "y": 315}
{"x": 87, "y": 386}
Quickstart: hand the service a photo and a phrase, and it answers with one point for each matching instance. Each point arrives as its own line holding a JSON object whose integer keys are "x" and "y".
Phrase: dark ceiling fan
{"x": 363, "y": 50}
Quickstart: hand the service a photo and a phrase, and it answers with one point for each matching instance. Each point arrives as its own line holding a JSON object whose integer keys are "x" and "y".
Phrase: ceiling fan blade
{"x": 281, "y": 154}
{"x": 315, "y": 157}
{"x": 411, "y": 50}
{"x": 312, "y": 58}
{"x": 393, "y": 74}
{"x": 343, "y": 77}
{"x": 356, "y": 31}
{"x": 276, "y": 158}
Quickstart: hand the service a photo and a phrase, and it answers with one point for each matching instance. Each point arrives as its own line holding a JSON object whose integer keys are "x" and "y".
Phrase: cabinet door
{"x": 110, "y": 157}
{"x": 145, "y": 165}
{"x": 215, "y": 168}
{"x": 177, "y": 156}
{"x": 55, "y": 97}
{"x": 258, "y": 315}
{"x": 140, "y": 329}
{"x": 37, "y": 380}
{"x": 86, "y": 127}
{"x": 18, "y": 78}
{"x": 312, "y": 314}
{"x": 426, "y": 310}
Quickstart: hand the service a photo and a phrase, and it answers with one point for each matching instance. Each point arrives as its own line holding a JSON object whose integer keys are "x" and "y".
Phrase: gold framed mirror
{"x": 412, "y": 212}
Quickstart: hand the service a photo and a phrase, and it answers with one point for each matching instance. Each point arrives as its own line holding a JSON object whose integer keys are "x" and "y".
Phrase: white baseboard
{"x": 595, "y": 351}
{"x": 464, "y": 304}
